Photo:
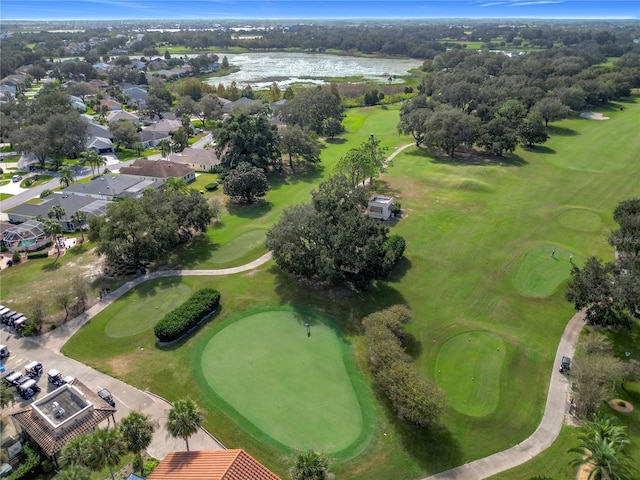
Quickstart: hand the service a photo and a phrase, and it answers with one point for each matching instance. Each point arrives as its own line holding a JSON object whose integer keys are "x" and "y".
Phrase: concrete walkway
{"x": 549, "y": 428}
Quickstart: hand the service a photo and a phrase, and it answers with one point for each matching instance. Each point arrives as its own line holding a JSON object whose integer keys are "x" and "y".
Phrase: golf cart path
{"x": 548, "y": 430}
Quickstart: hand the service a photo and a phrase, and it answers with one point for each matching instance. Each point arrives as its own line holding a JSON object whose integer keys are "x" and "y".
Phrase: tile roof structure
{"x": 211, "y": 465}
{"x": 204, "y": 158}
{"x": 50, "y": 439}
{"x": 156, "y": 169}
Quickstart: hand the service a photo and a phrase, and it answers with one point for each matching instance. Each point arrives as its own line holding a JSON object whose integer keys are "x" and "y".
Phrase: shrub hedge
{"x": 34, "y": 255}
{"x": 180, "y": 320}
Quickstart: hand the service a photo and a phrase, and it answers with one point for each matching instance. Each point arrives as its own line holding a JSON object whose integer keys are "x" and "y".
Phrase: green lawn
{"x": 478, "y": 236}
{"x": 297, "y": 389}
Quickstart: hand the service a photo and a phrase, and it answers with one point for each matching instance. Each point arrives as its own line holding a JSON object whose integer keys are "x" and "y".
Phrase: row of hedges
{"x": 179, "y": 321}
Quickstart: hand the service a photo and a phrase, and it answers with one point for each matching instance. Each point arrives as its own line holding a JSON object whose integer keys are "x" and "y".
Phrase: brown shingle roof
{"x": 198, "y": 156}
{"x": 156, "y": 168}
{"x": 212, "y": 465}
{"x": 52, "y": 441}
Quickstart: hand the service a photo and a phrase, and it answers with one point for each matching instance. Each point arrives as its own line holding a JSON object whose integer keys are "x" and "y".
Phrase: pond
{"x": 262, "y": 69}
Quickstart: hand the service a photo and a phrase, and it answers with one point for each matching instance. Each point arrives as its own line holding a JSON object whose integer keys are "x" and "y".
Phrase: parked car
{"x": 54, "y": 377}
{"x": 33, "y": 369}
{"x": 565, "y": 364}
{"x": 16, "y": 178}
{"x": 4, "y": 351}
{"x": 106, "y": 396}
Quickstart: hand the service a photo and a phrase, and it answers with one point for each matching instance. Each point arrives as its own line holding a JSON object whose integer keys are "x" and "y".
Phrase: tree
{"x": 156, "y": 105}
{"x": 37, "y": 71}
{"x": 308, "y": 465}
{"x": 186, "y": 105}
{"x": 447, "y": 128}
{"x": 414, "y": 114}
{"x": 225, "y": 63}
{"x": 602, "y": 445}
{"x": 164, "y": 146}
{"x": 310, "y": 107}
{"x": 76, "y": 451}
{"x": 73, "y": 472}
{"x": 184, "y": 419}
{"x": 375, "y": 154}
{"x": 56, "y": 212}
{"x": 82, "y": 89}
{"x": 124, "y": 133}
{"x": 32, "y": 139}
{"x": 551, "y": 109}
{"x": 62, "y": 299}
{"x": 497, "y": 136}
{"x": 532, "y": 131}
{"x": 297, "y": 143}
{"x": 106, "y": 448}
{"x": 353, "y": 166}
{"x": 138, "y": 146}
{"x": 627, "y": 238}
{"x": 93, "y": 158}
{"x": 180, "y": 139}
{"x": 68, "y": 134}
{"x": 332, "y": 127}
{"x": 174, "y": 184}
{"x": 246, "y": 182}
{"x": 137, "y": 432}
{"x": 66, "y": 175}
{"x": 79, "y": 219}
{"x": 209, "y": 108}
{"x": 242, "y": 138}
{"x": 7, "y": 397}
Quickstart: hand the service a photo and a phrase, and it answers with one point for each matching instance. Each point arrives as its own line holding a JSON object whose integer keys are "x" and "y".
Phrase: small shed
{"x": 380, "y": 207}
{"x": 27, "y": 236}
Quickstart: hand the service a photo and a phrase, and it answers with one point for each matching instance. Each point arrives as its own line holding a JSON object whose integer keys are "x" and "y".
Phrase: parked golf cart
{"x": 28, "y": 389}
{"x": 33, "y": 369}
{"x": 13, "y": 379}
{"x": 106, "y": 396}
{"x": 565, "y": 364}
{"x": 19, "y": 323}
{"x": 54, "y": 377}
{"x": 4, "y": 351}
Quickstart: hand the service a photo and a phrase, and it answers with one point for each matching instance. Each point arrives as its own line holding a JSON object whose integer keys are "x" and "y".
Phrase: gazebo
{"x": 27, "y": 236}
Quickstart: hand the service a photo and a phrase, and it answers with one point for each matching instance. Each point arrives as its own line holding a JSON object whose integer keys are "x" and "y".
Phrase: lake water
{"x": 261, "y": 69}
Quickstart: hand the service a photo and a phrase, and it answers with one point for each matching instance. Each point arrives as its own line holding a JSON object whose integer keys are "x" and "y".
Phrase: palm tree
{"x": 93, "y": 159}
{"x": 184, "y": 419}
{"x": 76, "y": 451}
{"x": 6, "y": 396}
{"x": 137, "y": 432}
{"x": 174, "y": 184}
{"x": 602, "y": 446}
{"x": 308, "y": 465}
{"x": 79, "y": 219}
{"x": 165, "y": 147}
{"x": 67, "y": 176}
{"x": 73, "y": 472}
{"x": 58, "y": 213}
{"x": 51, "y": 228}
{"x": 106, "y": 449}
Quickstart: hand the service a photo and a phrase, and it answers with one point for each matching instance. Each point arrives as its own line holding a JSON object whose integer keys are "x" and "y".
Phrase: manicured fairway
{"x": 294, "y": 388}
{"x": 581, "y": 219}
{"x": 540, "y": 273}
{"x": 139, "y": 310}
{"x": 468, "y": 368}
{"x": 240, "y": 246}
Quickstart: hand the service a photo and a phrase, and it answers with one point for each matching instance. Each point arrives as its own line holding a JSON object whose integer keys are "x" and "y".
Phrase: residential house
{"x": 211, "y": 465}
{"x": 110, "y": 104}
{"x": 159, "y": 170}
{"x": 99, "y": 130}
{"x": 111, "y": 186}
{"x": 151, "y": 135}
{"x": 69, "y": 203}
{"x": 61, "y": 415}
{"x": 101, "y": 84}
{"x": 100, "y": 145}
{"x": 200, "y": 159}
{"x": 137, "y": 96}
{"x": 27, "y": 236}
{"x": 117, "y": 115}
{"x": 78, "y": 104}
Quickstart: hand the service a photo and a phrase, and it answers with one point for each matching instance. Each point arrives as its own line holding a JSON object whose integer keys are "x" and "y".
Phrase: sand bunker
{"x": 593, "y": 116}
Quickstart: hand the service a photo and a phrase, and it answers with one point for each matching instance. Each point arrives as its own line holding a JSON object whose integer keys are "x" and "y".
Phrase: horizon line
{"x": 245, "y": 19}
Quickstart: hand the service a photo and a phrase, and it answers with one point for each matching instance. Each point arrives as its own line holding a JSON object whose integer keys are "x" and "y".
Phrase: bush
{"x": 218, "y": 169}
{"x": 34, "y": 255}
{"x": 46, "y": 193}
{"x": 179, "y": 321}
{"x": 1, "y": 171}
{"x": 16, "y": 256}
{"x": 28, "y": 468}
{"x": 150, "y": 465}
{"x": 210, "y": 187}
{"x": 28, "y": 182}
{"x": 397, "y": 208}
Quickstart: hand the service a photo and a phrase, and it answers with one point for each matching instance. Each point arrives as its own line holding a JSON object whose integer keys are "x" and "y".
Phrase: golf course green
{"x": 292, "y": 386}
{"x": 541, "y": 270}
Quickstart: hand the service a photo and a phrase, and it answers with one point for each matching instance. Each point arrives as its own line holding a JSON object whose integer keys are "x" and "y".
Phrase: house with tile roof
{"x": 200, "y": 159}
{"x": 159, "y": 170}
{"x": 117, "y": 115}
{"x": 211, "y": 465}
{"x": 65, "y": 413}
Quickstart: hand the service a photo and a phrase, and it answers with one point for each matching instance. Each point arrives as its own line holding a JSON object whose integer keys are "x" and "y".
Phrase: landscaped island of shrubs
{"x": 179, "y": 321}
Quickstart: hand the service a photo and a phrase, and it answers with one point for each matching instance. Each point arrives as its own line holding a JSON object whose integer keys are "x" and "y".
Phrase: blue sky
{"x": 312, "y": 9}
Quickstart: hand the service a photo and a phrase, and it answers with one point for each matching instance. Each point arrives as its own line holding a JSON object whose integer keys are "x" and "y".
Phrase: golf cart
{"x": 54, "y": 377}
{"x": 33, "y": 369}
{"x": 20, "y": 322}
{"x": 4, "y": 351}
{"x": 106, "y": 396}
{"x": 28, "y": 389}
{"x": 565, "y": 364}
{"x": 13, "y": 379}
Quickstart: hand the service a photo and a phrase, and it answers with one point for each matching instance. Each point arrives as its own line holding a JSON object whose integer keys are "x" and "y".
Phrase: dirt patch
{"x": 620, "y": 405}
{"x": 593, "y": 116}
{"x": 584, "y": 472}
{"x": 122, "y": 364}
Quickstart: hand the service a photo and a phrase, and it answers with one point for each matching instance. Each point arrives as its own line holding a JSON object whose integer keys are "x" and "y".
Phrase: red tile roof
{"x": 211, "y": 465}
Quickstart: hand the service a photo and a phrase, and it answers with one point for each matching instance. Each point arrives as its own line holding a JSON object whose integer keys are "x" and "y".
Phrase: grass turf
{"x": 467, "y": 226}
{"x": 468, "y": 368}
{"x": 294, "y": 388}
{"x": 542, "y": 270}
